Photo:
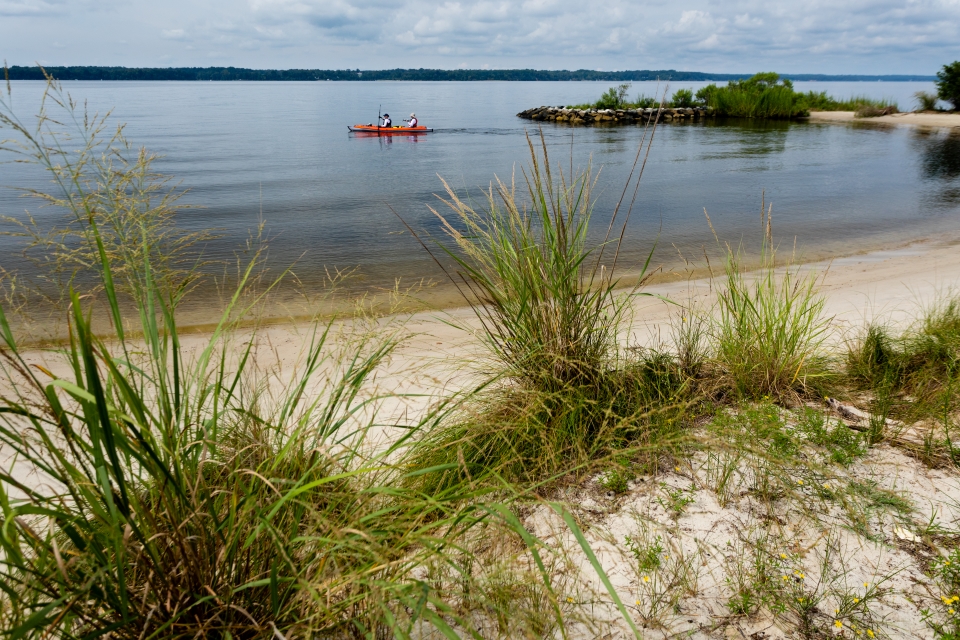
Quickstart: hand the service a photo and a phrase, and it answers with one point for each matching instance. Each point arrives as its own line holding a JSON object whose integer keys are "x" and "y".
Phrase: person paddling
{"x": 387, "y": 122}
{"x": 412, "y": 120}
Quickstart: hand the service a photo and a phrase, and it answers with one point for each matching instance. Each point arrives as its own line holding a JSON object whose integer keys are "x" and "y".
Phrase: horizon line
{"x": 231, "y": 73}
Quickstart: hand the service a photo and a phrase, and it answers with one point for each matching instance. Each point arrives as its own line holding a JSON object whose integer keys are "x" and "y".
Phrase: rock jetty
{"x": 613, "y": 116}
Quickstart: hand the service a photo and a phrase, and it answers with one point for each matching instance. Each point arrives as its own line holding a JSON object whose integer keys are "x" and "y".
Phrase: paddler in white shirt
{"x": 412, "y": 120}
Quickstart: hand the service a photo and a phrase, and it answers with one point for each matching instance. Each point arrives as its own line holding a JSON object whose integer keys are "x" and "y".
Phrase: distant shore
{"x": 430, "y": 75}
{"x": 923, "y": 119}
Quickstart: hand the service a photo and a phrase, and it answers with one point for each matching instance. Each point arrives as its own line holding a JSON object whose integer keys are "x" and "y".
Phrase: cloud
{"x": 12, "y": 8}
{"x": 878, "y": 36}
{"x": 174, "y": 34}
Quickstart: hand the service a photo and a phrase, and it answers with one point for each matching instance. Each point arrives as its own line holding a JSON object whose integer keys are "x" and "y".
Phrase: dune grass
{"x": 769, "y": 331}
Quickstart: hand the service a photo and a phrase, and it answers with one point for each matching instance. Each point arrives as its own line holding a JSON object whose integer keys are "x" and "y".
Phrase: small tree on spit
{"x": 948, "y": 83}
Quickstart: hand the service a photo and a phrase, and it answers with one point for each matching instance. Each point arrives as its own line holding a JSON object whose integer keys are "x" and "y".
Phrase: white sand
{"x": 923, "y": 119}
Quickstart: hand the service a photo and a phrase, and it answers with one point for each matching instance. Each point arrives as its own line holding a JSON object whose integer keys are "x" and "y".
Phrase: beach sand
{"x": 932, "y": 119}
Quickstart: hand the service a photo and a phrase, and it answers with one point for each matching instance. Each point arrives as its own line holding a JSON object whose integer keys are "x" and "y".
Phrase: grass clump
{"x": 769, "y": 331}
{"x": 926, "y": 101}
{"x": 820, "y": 101}
{"x": 920, "y": 362}
{"x": 564, "y": 392}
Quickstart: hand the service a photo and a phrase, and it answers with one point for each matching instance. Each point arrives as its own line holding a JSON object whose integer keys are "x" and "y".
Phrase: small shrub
{"x": 645, "y": 102}
{"x": 676, "y": 501}
{"x": 948, "y": 84}
{"x": 682, "y": 98}
{"x": 614, "y": 97}
{"x": 926, "y": 101}
{"x": 647, "y": 555}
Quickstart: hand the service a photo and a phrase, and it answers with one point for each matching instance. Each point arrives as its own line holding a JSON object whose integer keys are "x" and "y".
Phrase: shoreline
{"x": 926, "y": 119}
{"x": 436, "y": 356}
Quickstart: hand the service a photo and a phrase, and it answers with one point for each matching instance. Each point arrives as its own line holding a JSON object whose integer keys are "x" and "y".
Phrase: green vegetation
{"x": 926, "y": 101}
{"x": 770, "y": 330}
{"x": 156, "y": 491}
{"x": 764, "y": 95}
{"x": 948, "y": 83}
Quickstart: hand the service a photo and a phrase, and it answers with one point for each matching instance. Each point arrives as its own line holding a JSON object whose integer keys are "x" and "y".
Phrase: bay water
{"x": 280, "y": 152}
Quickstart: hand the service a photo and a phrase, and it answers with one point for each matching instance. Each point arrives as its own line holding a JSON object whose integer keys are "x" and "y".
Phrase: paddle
{"x": 378, "y": 119}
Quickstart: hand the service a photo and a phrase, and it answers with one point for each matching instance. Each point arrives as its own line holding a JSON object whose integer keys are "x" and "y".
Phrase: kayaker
{"x": 387, "y": 122}
{"x": 412, "y": 120}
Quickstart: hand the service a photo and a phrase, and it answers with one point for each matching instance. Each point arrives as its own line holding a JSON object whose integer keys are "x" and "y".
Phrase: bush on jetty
{"x": 764, "y": 95}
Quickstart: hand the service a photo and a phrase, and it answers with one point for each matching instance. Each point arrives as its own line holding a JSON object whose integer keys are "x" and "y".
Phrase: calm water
{"x": 283, "y": 149}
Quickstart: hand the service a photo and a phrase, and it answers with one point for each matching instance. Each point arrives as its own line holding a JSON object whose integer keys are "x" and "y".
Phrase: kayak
{"x": 387, "y": 131}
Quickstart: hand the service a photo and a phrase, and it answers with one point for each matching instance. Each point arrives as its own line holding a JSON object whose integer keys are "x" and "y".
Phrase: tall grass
{"x": 920, "y": 361}
{"x": 105, "y": 187}
{"x": 770, "y": 328}
{"x": 820, "y": 101}
{"x": 546, "y": 301}
{"x": 563, "y": 391}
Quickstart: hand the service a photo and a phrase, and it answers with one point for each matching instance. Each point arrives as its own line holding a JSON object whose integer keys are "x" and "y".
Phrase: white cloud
{"x": 860, "y": 36}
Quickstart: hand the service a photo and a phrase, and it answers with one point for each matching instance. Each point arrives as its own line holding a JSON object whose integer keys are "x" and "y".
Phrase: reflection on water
{"x": 939, "y": 154}
{"x": 747, "y": 138}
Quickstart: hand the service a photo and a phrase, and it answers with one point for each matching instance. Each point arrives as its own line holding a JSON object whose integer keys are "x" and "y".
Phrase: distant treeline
{"x": 235, "y": 73}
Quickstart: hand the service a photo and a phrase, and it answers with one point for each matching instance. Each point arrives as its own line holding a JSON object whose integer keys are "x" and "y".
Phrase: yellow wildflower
{"x": 870, "y": 632}
{"x": 646, "y": 578}
{"x": 838, "y": 624}
{"x": 638, "y": 603}
{"x": 799, "y": 481}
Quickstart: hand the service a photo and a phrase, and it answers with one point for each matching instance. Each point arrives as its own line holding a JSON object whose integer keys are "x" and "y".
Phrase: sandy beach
{"x": 932, "y": 119}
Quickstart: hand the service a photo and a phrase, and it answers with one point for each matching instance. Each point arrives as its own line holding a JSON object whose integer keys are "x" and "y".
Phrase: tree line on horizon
{"x": 237, "y": 73}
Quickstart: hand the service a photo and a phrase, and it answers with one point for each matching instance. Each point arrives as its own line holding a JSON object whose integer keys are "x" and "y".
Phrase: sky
{"x": 736, "y": 36}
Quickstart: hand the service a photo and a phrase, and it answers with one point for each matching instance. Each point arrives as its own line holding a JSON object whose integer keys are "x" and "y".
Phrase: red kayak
{"x": 387, "y": 131}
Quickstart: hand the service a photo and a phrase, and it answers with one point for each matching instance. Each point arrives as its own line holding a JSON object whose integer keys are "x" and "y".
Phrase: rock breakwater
{"x": 614, "y": 116}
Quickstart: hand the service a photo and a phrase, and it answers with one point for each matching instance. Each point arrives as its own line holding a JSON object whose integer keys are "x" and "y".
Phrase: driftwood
{"x": 907, "y": 438}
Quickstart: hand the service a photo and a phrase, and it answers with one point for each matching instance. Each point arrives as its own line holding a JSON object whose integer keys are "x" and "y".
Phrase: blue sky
{"x": 815, "y": 36}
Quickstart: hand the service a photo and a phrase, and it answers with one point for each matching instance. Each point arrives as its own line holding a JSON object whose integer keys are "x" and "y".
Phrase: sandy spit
{"x": 931, "y": 119}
